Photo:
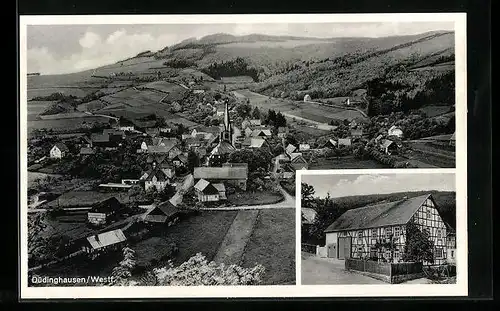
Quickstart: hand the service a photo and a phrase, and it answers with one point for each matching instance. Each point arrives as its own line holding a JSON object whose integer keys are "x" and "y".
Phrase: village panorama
{"x": 177, "y": 166}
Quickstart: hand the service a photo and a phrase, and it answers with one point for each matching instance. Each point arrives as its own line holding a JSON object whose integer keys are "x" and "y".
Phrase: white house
{"x": 59, "y": 151}
{"x": 156, "y": 179}
{"x": 307, "y": 98}
{"x": 395, "y": 131}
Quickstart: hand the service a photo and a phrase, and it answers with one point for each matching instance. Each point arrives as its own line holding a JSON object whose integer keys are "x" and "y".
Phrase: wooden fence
{"x": 389, "y": 272}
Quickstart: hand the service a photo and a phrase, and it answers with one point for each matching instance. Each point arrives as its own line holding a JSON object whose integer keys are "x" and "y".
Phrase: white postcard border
{"x": 400, "y": 290}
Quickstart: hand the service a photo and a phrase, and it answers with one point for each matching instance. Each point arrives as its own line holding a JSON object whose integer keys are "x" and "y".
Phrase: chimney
{"x": 97, "y": 238}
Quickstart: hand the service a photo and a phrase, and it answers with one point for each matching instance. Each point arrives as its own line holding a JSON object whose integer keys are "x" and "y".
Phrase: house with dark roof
{"x": 59, "y": 151}
{"x": 96, "y": 245}
{"x": 101, "y": 212}
{"x": 180, "y": 160}
{"x": 155, "y": 178}
{"x": 163, "y": 213}
{"x": 358, "y": 232}
{"x": 100, "y": 140}
{"x": 236, "y": 176}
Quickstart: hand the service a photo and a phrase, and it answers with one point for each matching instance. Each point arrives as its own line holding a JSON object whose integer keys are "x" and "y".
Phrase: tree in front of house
{"x": 307, "y": 195}
{"x": 256, "y": 113}
{"x": 254, "y": 158}
{"x": 244, "y": 110}
{"x": 418, "y": 247}
{"x": 193, "y": 160}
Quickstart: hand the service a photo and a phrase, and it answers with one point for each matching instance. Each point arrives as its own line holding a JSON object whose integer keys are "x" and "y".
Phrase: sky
{"x": 57, "y": 49}
{"x": 355, "y": 184}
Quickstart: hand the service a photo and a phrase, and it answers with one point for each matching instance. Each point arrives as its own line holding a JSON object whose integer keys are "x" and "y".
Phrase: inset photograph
{"x": 378, "y": 228}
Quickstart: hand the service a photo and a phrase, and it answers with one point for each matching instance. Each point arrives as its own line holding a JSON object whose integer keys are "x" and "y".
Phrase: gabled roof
{"x": 99, "y": 138}
{"x": 378, "y": 215}
{"x": 158, "y": 173}
{"x": 168, "y": 208}
{"x": 158, "y": 158}
{"x": 260, "y": 132}
{"x": 345, "y": 141}
{"x": 113, "y": 132}
{"x": 220, "y": 172}
{"x": 295, "y": 157}
{"x": 193, "y": 141}
{"x": 386, "y": 143}
{"x": 181, "y": 157}
{"x": 257, "y": 142}
{"x": 106, "y": 238}
{"x": 106, "y": 206}
{"x": 159, "y": 149}
{"x": 222, "y": 147}
{"x": 206, "y": 187}
{"x": 255, "y": 122}
{"x": 86, "y": 150}
{"x": 220, "y": 187}
{"x": 290, "y": 148}
{"x": 356, "y": 132}
{"x": 61, "y": 147}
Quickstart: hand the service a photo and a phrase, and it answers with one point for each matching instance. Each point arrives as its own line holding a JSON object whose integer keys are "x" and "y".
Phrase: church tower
{"x": 226, "y": 133}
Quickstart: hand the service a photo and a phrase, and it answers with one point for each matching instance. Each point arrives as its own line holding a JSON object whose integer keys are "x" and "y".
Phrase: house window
{"x": 428, "y": 213}
{"x": 452, "y": 254}
{"x": 397, "y": 232}
{"x": 374, "y": 233}
{"x": 388, "y": 232}
{"x": 439, "y": 233}
{"x": 360, "y": 234}
{"x": 438, "y": 252}
{"x": 426, "y": 231}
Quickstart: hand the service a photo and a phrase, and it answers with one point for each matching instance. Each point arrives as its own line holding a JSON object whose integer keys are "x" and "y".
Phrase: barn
{"x": 358, "y": 232}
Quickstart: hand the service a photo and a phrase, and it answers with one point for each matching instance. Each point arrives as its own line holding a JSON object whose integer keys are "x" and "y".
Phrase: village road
{"x": 329, "y": 271}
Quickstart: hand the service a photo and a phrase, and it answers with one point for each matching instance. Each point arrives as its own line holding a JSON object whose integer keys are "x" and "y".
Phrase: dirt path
{"x": 329, "y": 271}
{"x": 233, "y": 245}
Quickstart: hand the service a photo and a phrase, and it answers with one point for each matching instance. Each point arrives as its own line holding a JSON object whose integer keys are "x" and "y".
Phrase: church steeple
{"x": 227, "y": 131}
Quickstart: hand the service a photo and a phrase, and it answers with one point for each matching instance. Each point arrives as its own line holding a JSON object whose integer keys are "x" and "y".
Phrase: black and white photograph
{"x": 163, "y": 150}
{"x": 378, "y": 228}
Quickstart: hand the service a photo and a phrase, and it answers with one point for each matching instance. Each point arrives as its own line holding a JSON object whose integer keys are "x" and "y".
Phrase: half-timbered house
{"x": 359, "y": 233}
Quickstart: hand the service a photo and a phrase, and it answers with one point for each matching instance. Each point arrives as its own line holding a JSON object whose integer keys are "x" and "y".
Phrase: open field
{"x": 201, "y": 233}
{"x": 254, "y": 198}
{"x": 34, "y": 108}
{"x": 272, "y": 244}
{"x": 237, "y": 79}
{"x": 309, "y": 111}
{"x": 432, "y": 111}
{"x": 65, "y": 124}
{"x": 343, "y": 163}
{"x": 162, "y": 86}
{"x": 133, "y": 97}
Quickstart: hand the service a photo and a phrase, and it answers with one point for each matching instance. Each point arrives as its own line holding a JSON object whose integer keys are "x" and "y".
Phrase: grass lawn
{"x": 254, "y": 198}
{"x": 343, "y": 162}
{"x": 201, "y": 233}
{"x": 272, "y": 244}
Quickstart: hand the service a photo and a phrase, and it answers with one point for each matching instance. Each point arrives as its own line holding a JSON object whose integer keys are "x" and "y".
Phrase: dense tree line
{"x": 179, "y": 63}
{"x": 231, "y": 68}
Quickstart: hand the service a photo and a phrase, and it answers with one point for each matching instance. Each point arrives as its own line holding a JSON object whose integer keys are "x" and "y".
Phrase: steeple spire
{"x": 227, "y": 131}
